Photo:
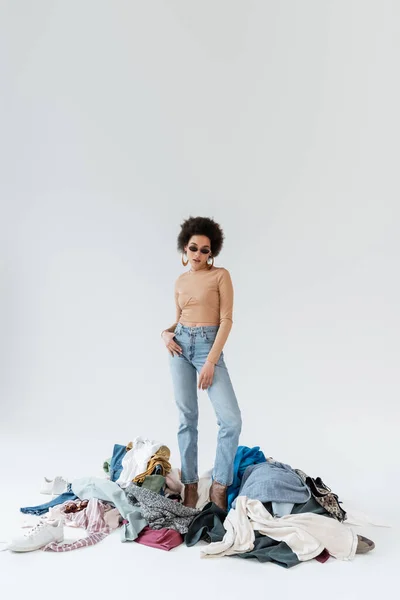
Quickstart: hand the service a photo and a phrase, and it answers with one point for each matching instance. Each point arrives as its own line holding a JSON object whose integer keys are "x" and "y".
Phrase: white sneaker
{"x": 43, "y": 533}
{"x": 55, "y": 486}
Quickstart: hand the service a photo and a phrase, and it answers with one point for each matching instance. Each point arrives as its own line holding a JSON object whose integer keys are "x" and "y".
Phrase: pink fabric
{"x": 173, "y": 483}
{"x": 323, "y": 557}
{"x": 91, "y": 519}
{"x": 112, "y": 518}
{"x": 165, "y": 539}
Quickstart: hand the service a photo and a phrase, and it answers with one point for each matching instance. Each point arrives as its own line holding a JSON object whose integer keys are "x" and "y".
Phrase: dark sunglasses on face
{"x": 202, "y": 250}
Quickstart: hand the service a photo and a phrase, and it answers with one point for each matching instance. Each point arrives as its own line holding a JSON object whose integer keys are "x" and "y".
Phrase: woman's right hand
{"x": 172, "y": 347}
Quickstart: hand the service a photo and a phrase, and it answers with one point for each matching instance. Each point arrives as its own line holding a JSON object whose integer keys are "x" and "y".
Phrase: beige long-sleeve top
{"x": 205, "y": 297}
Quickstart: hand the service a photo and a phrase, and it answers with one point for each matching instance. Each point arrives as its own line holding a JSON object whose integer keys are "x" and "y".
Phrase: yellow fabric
{"x": 161, "y": 457}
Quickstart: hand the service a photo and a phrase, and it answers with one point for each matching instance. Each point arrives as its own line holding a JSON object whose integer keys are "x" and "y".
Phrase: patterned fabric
{"x": 91, "y": 519}
{"x": 161, "y": 458}
{"x": 159, "y": 511}
{"x": 324, "y": 496}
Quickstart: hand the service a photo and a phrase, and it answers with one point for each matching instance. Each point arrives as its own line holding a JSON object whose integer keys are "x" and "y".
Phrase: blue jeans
{"x": 41, "y": 509}
{"x": 116, "y": 461}
{"x": 196, "y": 343}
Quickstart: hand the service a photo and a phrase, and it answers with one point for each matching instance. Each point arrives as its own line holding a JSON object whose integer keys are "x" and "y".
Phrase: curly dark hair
{"x": 201, "y": 226}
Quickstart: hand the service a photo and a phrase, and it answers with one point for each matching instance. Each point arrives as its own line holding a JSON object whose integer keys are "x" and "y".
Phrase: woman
{"x": 204, "y": 306}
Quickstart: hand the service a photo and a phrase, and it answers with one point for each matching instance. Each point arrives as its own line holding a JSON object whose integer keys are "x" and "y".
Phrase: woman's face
{"x": 198, "y": 251}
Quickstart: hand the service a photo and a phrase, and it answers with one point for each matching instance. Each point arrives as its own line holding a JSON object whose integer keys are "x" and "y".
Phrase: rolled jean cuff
{"x": 220, "y": 482}
{"x": 192, "y": 481}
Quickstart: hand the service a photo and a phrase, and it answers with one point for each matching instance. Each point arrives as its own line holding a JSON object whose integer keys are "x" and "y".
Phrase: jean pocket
{"x": 211, "y": 335}
{"x": 178, "y": 333}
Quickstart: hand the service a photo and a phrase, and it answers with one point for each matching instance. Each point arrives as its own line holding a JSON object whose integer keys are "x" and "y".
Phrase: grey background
{"x": 278, "y": 119}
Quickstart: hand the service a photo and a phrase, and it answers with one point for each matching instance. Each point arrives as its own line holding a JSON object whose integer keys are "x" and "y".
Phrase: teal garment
{"x": 310, "y": 506}
{"x": 155, "y": 483}
{"x": 268, "y": 550}
{"x": 104, "y": 489}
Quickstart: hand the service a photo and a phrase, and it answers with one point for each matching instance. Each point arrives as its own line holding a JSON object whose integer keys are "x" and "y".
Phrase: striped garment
{"x": 91, "y": 519}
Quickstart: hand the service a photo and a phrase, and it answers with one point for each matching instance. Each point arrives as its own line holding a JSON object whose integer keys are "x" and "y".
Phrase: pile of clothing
{"x": 275, "y": 513}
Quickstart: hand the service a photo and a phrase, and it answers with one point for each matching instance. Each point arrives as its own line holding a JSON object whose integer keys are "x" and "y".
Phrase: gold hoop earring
{"x": 210, "y": 266}
{"x": 183, "y": 262}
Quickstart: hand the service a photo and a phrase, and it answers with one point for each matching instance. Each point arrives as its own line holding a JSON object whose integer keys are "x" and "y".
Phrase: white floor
{"x": 113, "y": 569}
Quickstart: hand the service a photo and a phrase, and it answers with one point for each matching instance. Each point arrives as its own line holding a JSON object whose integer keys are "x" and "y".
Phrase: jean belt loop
{"x": 203, "y": 333}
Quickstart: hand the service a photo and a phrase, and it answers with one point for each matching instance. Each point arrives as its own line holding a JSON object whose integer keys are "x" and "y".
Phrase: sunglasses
{"x": 202, "y": 250}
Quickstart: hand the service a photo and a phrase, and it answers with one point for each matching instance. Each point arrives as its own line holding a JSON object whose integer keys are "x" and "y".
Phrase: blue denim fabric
{"x": 196, "y": 343}
{"x": 116, "y": 461}
{"x": 273, "y": 482}
{"x": 244, "y": 458}
{"x": 41, "y": 509}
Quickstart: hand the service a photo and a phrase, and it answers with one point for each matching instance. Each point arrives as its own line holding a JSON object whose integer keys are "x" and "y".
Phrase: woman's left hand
{"x": 206, "y": 375}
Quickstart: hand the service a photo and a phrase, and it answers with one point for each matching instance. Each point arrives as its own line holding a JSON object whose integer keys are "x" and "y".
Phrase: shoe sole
{"x": 16, "y": 549}
{"x": 25, "y": 549}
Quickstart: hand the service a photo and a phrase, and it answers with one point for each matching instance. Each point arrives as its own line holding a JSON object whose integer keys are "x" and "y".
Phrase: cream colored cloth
{"x": 307, "y": 534}
{"x": 203, "y": 489}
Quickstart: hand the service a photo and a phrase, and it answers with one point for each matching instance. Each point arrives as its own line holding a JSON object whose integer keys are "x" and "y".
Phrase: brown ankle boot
{"x": 218, "y": 494}
{"x": 191, "y": 495}
{"x": 364, "y": 545}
